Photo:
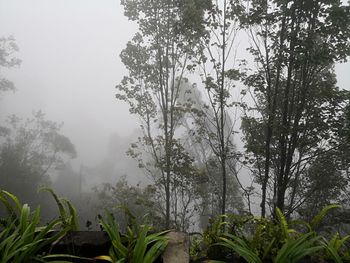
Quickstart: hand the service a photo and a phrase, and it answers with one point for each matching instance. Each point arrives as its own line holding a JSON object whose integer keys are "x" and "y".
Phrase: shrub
{"x": 137, "y": 245}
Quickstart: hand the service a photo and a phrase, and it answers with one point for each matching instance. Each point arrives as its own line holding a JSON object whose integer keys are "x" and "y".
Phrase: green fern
{"x": 283, "y": 224}
{"x": 321, "y": 215}
{"x": 240, "y": 246}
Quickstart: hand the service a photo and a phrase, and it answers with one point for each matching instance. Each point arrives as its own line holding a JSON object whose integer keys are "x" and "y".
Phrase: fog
{"x": 70, "y": 67}
{"x": 70, "y": 53}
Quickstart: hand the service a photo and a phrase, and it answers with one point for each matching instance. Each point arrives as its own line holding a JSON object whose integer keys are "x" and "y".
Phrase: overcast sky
{"x": 70, "y": 51}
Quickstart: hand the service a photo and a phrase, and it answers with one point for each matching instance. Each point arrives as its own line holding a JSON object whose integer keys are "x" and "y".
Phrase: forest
{"x": 242, "y": 140}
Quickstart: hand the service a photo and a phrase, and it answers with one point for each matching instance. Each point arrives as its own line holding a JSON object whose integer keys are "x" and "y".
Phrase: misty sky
{"x": 70, "y": 51}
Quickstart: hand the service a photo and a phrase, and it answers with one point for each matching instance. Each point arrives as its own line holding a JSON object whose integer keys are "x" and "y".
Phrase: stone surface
{"x": 177, "y": 250}
{"x": 83, "y": 243}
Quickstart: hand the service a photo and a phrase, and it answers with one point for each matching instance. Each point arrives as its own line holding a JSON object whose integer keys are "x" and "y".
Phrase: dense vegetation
{"x": 228, "y": 237}
{"x": 197, "y": 96}
{"x": 294, "y": 119}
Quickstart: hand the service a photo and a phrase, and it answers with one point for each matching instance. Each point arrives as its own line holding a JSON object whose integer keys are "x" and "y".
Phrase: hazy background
{"x": 70, "y": 51}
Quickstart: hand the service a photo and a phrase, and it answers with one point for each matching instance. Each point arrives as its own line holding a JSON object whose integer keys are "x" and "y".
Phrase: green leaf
{"x": 239, "y": 246}
{"x": 295, "y": 250}
{"x": 155, "y": 251}
{"x": 283, "y": 224}
{"x": 141, "y": 245}
{"x": 59, "y": 202}
{"x": 319, "y": 217}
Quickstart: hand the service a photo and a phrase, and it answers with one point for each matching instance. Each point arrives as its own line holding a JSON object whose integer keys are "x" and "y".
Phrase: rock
{"x": 83, "y": 243}
{"x": 177, "y": 250}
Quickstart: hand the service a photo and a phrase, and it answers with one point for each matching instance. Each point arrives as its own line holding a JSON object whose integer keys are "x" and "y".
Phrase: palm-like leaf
{"x": 22, "y": 238}
{"x": 141, "y": 247}
{"x": 240, "y": 246}
{"x": 333, "y": 247}
{"x": 67, "y": 211}
{"x": 294, "y": 250}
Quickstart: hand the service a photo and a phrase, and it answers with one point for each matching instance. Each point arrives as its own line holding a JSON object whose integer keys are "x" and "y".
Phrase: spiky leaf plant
{"x": 241, "y": 247}
{"x": 295, "y": 250}
{"x": 21, "y": 237}
{"x": 321, "y": 215}
{"x": 333, "y": 247}
{"x": 68, "y": 213}
{"x": 136, "y": 246}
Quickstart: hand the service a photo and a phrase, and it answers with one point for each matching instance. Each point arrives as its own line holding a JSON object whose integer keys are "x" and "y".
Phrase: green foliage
{"x": 321, "y": 215}
{"x": 202, "y": 246}
{"x": 294, "y": 250}
{"x": 141, "y": 202}
{"x": 241, "y": 247}
{"x": 237, "y": 225}
{"x": 68, "y": 213}
{"x": 21, "y": 237}
{"x": 11, "y": 203}
{"x": 196, "y": 249}
{"x": 265, "y": 237}
{"x": 293, "y": 129}
{"x": 251, "y": 238}
{"x": 215, "y": 229}
{"x": 298, "y": 245}
{"x": 264, "y": 240}
{"x": 325, "y": 183}
{"x": 283, "y": 224}
{"x": 137, "y": 245}
{"x": 334, "y": 247}
{"x": 157, "y": 59}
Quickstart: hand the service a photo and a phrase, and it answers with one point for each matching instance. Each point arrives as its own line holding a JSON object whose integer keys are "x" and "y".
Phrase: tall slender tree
{"x": 157, "y": 60}
{"x": 218, "y": 76}
{"x": 198, "y": 142}
{"x": 295, "y": 45}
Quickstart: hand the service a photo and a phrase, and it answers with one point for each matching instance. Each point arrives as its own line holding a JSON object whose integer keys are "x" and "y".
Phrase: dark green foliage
{"x": 68, "y": 213}
{"x": 239, "y": 246}
{"x": 334, "y": 249}
{"x": 264, "y": 240}
{"x": 137, "y": 245}
{"x": 295, "y": 250}
{"x": 299, "y": 111}
{"x": 22, "y": 238}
